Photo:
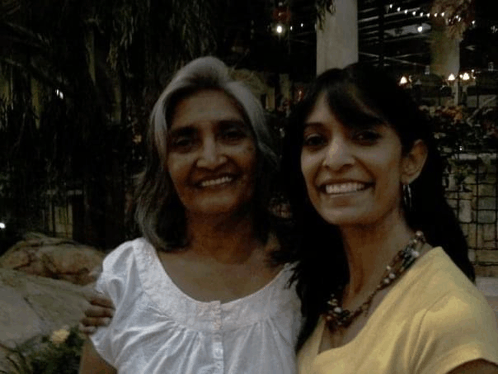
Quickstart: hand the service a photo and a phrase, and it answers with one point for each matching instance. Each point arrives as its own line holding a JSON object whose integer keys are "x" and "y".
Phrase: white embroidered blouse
{"x": 158, "y": 329}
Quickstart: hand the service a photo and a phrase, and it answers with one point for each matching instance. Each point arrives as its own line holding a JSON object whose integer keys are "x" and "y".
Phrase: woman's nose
{"x": 338, "y": 154}
{"x": 211, "y": 155}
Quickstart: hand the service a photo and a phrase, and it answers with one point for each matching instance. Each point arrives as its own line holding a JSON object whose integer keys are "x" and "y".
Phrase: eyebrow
{"x": 184, "y": 131}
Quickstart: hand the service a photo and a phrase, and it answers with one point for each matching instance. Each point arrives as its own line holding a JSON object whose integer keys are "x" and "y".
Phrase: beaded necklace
{"x": 338, "y": 317}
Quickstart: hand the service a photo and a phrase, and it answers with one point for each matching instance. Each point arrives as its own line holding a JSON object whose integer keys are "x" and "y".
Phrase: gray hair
{"x": 158, "y": 211}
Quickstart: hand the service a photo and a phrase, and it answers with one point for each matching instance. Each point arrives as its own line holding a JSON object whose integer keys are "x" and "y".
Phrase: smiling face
{"x": 211, "y": 154}
{"x": 352, "y": 174}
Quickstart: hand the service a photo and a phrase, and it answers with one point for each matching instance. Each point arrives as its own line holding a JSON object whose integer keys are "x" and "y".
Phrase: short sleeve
{"x": 456, "y": 330}
{"x": 101, "y": 339}
{"x": 112, "y": 283}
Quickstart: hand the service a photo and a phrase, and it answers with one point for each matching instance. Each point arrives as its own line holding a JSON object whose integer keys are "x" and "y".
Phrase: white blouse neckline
{"x": 171, "y": 300}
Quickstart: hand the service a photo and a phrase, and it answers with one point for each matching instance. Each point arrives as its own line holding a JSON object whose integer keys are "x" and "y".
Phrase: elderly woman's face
{"x": 353, "y": 176}
{"x": 211, "y": 154}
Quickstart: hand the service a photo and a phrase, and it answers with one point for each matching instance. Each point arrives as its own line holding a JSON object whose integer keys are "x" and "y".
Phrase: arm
{"x": 98, "y": 313}
{"x": 92, "y": 363}
{"x": 476, "y": 367}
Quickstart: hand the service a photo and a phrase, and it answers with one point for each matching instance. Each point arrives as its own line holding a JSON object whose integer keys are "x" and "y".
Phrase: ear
{"x": 413, "y": 162}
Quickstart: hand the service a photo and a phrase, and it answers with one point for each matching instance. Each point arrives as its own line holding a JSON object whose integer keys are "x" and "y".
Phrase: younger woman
{"x": 383, "y": 272}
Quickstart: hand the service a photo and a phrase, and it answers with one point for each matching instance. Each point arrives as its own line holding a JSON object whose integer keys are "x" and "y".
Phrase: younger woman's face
{"x": 353, "y": 175}
{"x": 211, "y": 154}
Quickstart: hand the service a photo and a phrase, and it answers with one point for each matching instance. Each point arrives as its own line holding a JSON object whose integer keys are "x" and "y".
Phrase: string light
{"x": 420, "y": 28}
{"x": 451, "y": 77}
{"x": 403, "y": 80}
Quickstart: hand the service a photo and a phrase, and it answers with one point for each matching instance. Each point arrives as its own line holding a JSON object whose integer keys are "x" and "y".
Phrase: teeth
{"x": 344, "y": 187}
{"x": 214, "y": 182}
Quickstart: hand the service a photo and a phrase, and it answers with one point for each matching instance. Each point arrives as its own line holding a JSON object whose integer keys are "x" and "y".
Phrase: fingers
{"x": 102, "y": 301}
{"x": 87, "y": 330}
{"x": 97, "y": 299}
{"x": 95, "y": 322}
{"x": 88, "y": 325}
{"x": 99, "y": 312}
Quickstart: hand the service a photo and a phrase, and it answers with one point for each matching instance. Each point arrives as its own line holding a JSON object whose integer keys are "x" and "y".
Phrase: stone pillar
{"x": 445, "y": 50}
{"x": 337, "y": 43}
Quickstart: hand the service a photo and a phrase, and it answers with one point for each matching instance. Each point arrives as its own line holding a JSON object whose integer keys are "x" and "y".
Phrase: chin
{"x": 214, "y": 207}
{"x": 345, "y": 218}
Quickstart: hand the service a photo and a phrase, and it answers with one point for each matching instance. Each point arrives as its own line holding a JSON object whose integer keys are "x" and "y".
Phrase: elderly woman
{"x": 383, "y": 272}
{"x": 198, "y": 293}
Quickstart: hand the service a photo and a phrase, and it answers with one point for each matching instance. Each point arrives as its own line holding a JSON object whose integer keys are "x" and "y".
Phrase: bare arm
{"x": 92, "y": 363}
{"x": 476, "y": 367}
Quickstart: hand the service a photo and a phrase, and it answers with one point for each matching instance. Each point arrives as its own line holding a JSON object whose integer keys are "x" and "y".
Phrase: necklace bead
{"x": 337, "y": 317}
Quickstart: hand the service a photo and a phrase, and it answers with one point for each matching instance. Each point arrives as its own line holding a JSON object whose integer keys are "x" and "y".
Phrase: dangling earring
{"x": 407, "y": 197}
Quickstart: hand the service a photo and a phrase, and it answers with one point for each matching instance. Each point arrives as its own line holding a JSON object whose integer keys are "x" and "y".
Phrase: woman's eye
{"x": 233, "y": 134}
{"x": 182, "y": 144}
{"x": 314, "y": 140}
{"x": 367, "y": 136}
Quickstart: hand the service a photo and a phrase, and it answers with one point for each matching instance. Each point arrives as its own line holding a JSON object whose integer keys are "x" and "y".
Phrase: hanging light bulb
{"x": 420, "y": 28}
{"x": 465, "y": 76}
{"x": 451, "y": 77}
{"x": 403, "y": 80}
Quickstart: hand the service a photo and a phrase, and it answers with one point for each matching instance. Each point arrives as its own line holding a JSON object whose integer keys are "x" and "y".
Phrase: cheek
{"x": 177, "y": 169}
{"x": 307, "y": 168}
{"x": 248, "y": 159}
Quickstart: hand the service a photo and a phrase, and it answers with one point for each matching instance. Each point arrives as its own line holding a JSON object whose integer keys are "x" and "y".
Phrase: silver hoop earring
{"x": 407, "y": 197}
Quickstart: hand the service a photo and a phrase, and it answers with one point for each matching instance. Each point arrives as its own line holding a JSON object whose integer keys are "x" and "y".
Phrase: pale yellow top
{"x": 432, "y": 320}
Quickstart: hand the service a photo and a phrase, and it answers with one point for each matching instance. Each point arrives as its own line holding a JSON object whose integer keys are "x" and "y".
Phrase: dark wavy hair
{"x": 354, "y": 94}
{"x": 158, "y": 212}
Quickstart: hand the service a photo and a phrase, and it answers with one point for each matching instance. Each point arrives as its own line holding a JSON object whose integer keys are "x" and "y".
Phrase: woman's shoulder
{"x": 445, "y": 291}
{"x": 121, "y": 256}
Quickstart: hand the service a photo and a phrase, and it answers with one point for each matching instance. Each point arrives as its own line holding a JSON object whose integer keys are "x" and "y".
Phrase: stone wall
{"x": 472, "y": 192}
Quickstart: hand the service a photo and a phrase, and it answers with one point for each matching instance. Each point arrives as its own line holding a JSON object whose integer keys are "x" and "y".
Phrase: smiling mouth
{"x": 343, "y": 188}
{"x": 216, "y": 182}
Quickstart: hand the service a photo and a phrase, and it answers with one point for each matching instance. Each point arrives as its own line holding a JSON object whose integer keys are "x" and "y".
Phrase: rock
{"x": 53, "y": 258}
{"x": 32, "y": 306}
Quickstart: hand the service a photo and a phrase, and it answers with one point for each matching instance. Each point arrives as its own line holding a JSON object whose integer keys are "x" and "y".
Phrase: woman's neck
{"x": 369, "y": 249}
{"x": 222, "y": 238}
